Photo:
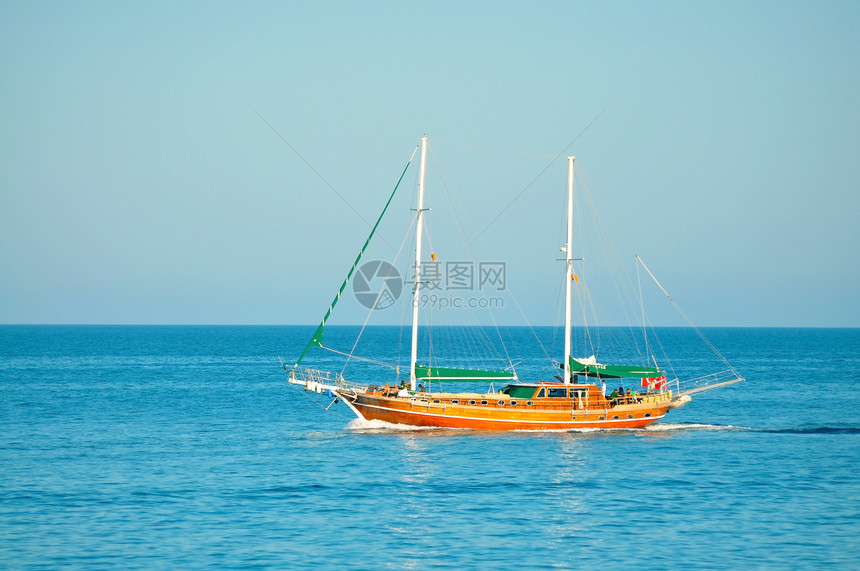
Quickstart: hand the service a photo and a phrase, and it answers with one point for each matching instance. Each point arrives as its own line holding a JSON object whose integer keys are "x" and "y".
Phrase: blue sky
{"x": 138, "y": 184}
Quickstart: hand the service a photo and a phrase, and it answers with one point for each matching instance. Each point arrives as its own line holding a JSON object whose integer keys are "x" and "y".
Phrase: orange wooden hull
{"x": 540, "y": 415}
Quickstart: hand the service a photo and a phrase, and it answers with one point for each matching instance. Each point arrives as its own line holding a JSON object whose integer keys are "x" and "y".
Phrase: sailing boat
{"x": 574, "y": 400}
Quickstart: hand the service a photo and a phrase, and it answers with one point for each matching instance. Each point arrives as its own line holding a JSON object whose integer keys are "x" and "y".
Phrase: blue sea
{"x": 184, "y": 447}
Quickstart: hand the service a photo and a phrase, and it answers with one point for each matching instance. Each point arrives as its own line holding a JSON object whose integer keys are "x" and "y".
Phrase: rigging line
{"x": 403, "y": 312}
{"x": 528, "y": 324}
{"x": 642, "y": 309}
{"x": 378, "y": 295}
{"x": 689, "y": 321}
{"x": 499, "y": 334}
{"x": 539, "y": 175}
{"x": 356, "y": 357}
{"x": 561, "y": 238}
{"x": 489, "y": 353}
{"x": 470, "y": 250}
{"x": 310, "y": 166}
{"x": 512, "y": 151}
{"x": 443, "y": 183}
{"x": 556, "y": 311}
{"x": 655, "y": 280}
{"x": 583, "y": 295}
{"x": 669, "y": 365}
{"x": 430, "y": 335}
{"x": 317, "y": 336}
{"x": 620, "y": 279}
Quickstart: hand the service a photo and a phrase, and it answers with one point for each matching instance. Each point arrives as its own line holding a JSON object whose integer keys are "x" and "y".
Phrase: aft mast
{"x": 568, "y": 274}
{"x": 419, "y": 227}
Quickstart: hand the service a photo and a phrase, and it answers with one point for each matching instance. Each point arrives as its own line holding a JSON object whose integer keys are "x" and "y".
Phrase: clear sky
{"x": 139, "y": 184}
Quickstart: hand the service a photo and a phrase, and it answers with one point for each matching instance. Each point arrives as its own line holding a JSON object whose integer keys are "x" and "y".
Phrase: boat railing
{"x": 314, "y": 379}
{"x": 707, "y": 382}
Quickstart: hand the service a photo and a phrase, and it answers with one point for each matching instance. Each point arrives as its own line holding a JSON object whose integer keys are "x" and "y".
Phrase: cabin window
{"x": 557, "y": 393}
{"x": 540, "y": 394}
{"x": 615, "y": 417}
{"x": 436, "y": 401}
{"x": 501, "y": 403}
{"x": 601, "y": 418}
{"x": 455, "y": 401}
{"x": 513, "y": 403}
{"x": 578, "y": 393}
{"x": 647, "y": 415}
{"x": 529, "y": 403}
{"x": 471, "y": 402}
{"x": 629, "y": 416}
{"x": 484, "y": 402}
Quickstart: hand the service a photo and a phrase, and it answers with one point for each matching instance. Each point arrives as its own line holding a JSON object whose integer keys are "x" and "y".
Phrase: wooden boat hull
{"x": 423, "y": 411}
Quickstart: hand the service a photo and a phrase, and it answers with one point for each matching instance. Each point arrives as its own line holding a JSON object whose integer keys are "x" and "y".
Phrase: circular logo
{"x": 377, "y": 285}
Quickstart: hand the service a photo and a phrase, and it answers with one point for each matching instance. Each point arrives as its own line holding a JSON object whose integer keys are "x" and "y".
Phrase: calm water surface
{"x": 183, "y": 447}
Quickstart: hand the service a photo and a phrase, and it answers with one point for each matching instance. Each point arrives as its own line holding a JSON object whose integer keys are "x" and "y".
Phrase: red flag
{"x": 658, "y": 383}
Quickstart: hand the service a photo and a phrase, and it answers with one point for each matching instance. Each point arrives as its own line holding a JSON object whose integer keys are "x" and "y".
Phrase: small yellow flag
{"x": 433, "y": 255}
{"x": 574, "y": 277}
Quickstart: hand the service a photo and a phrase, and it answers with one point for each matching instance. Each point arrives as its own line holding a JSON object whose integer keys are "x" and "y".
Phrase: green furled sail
{"x": 316, "y": 339}
{"x": 594, "y": 369}
{"x": 449, "y": 374}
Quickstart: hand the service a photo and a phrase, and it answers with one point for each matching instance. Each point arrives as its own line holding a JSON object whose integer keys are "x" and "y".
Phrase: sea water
{"x": 184, "y": 447}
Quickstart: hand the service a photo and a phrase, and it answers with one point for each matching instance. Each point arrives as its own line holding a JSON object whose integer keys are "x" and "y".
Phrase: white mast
{"x": 568, "y": 276}
{"x": 419, "y": 226}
